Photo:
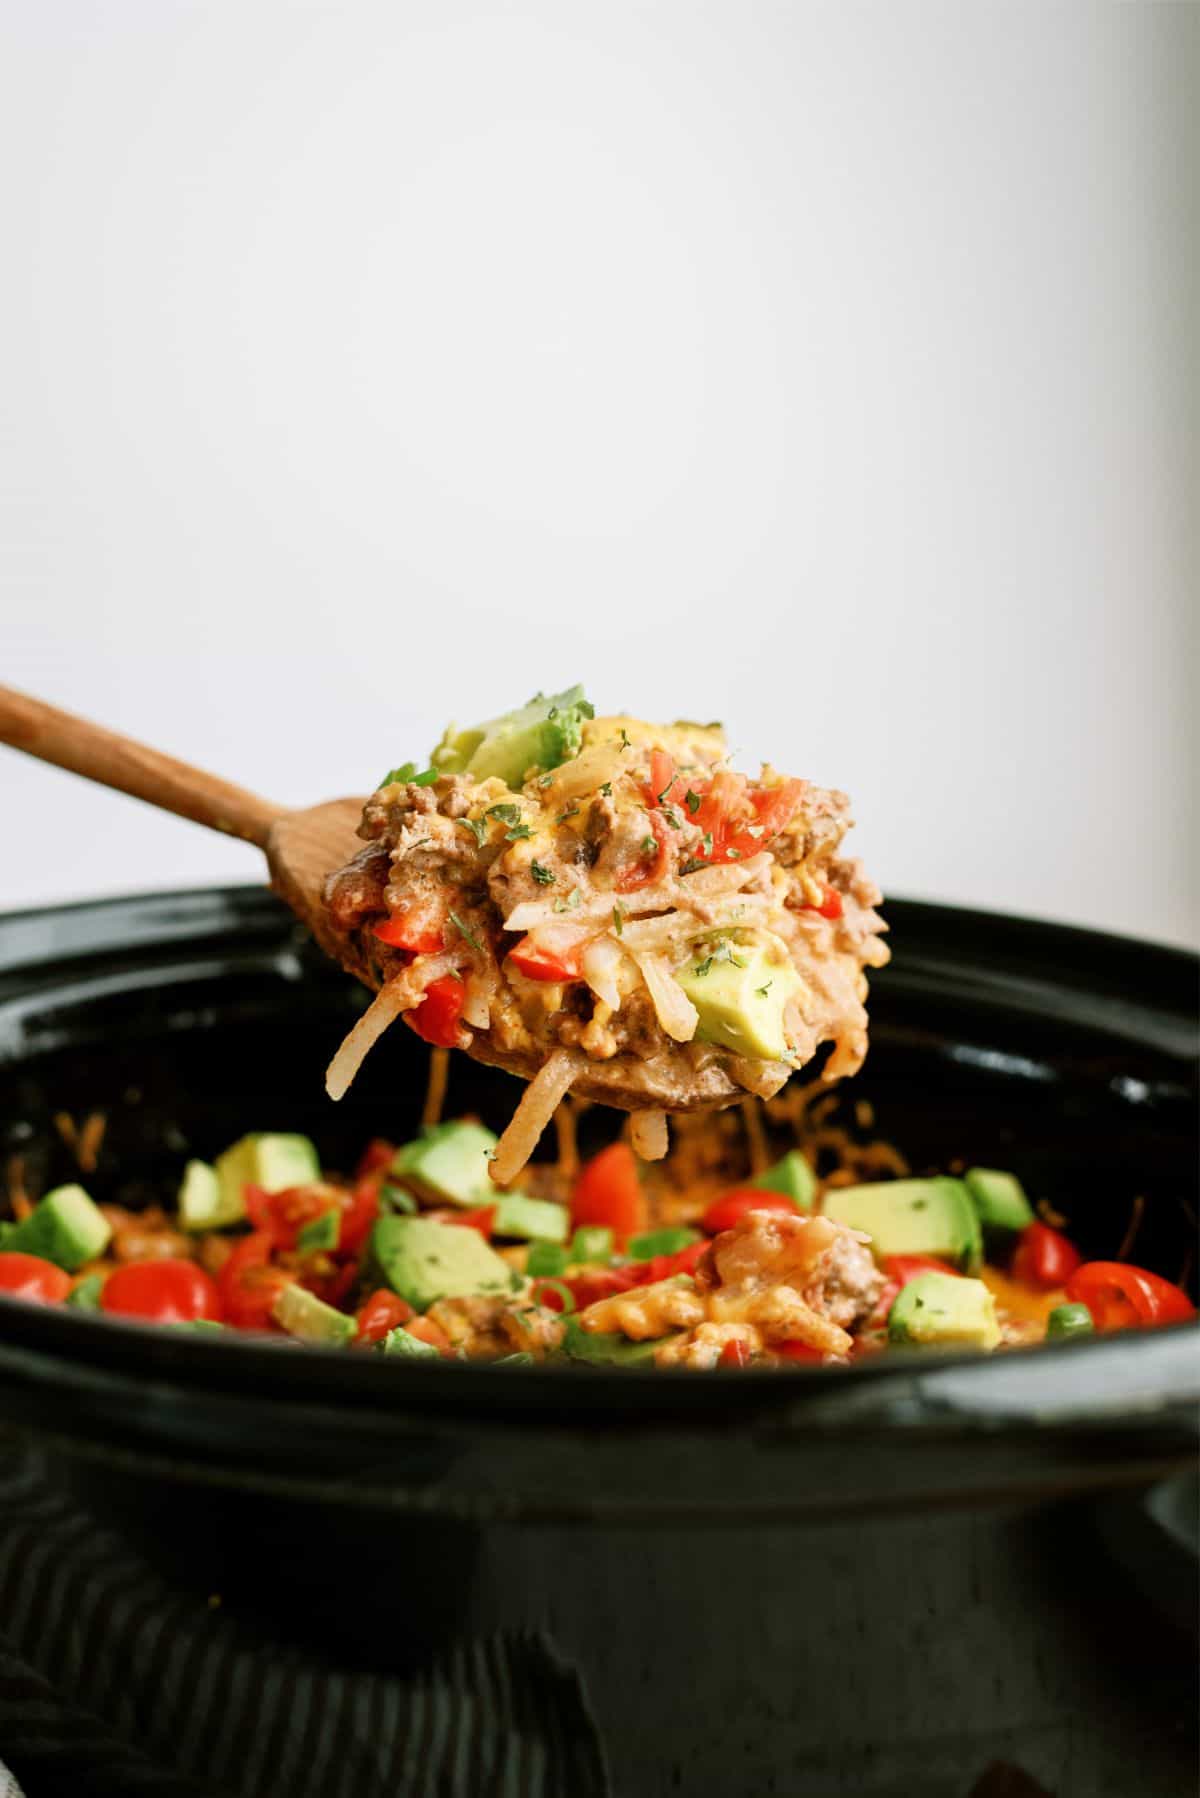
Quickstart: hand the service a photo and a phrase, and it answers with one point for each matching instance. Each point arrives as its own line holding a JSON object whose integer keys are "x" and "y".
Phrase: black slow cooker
{"x": 243, "y": 1567}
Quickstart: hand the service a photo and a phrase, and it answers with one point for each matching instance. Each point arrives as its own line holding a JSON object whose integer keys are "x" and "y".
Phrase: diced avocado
{"x": 999, "y": 1199}
{"x": 424, "y": 1260}
{"x": 913, "y": 1217}
{"x": 661, "y": 1242}
{"x": 199, "y": 1198}
{"x": 944, "y": 1311}
{"x": 301, "y": 1313}
{"x": 536, "y": 1219}
{"x": 450, "y": 1161}
{"x": 741, "y": 990}
{"x": 399, "y": 1342}
{"x": 793, "y": 1177}
{"x": 64, "y": 1227}
{"x": 546, "y": 1260}
{"x": 85, "y": 1294}
{"x": 541, "y": 735}
{"x": 1069, "y": 1320}
{"x": 592, "y": 1242}
{"x": 272, "y": 1161}
{"x": 605, "y": 1350}
{"x": 321, "y": 1232}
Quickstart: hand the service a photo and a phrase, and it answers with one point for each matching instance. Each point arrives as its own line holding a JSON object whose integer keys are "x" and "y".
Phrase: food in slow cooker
{"x": 720, "y": 1257}
{"x": 604, "y": 905}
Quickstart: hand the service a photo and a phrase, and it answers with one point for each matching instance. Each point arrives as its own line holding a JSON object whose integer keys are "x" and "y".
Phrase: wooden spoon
{"x": 302, "y": 848}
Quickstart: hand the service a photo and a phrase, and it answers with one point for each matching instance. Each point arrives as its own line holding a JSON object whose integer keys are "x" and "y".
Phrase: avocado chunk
{"x": 321, "y": 1232}
{"x": 1069, "y": 1320}
{"x": 301, "y": 1313}
{"x": 399, "y": 1342}
{"x": 450, "y": 1162}
{"x": 999, "y": 1199}
{"x": 424, "y": 1260}
{"x": 793, "y": 1177}
{"x": 64, "y": 1227}
{"x": 913, "y": 1217}
{"x": 540, "y": 735}
{"x": 740, "y": 990}
{"x": 272, "y": 1161}
{"x": 199, "y": 1200}
{"x": 609, "y": 1350}
{"x": 944, "y": 1311}
{"x": 539, "y": 1220}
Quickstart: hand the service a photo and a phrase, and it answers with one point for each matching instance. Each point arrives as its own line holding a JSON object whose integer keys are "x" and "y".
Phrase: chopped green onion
{"x": 546, "y": 1260}
{"x": 619, "y": 919}
{"x": 661, "y": 1242}
{"x": 562, "y": 1289}
{"x": 592, "y": 1242}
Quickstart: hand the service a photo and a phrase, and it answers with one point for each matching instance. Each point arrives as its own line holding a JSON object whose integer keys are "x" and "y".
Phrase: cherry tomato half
{"x": 249, "y": 1284}
{"x": 170, "y": 1291}
{"x": 903, "y": 1268}
{"x": 734, "y": 1354}
{"x": 1121, "y": 1297}
{"x": 29, "y": 1277}
{"x": 1044, "y": 1258}
{"x": 608, "y": 1191}
{"x": 731, "y": 1207}
{"x": 378, "y": 1315}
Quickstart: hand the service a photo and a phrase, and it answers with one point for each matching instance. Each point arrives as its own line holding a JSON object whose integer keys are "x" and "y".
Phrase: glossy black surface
{"x": 843, "y": 1498}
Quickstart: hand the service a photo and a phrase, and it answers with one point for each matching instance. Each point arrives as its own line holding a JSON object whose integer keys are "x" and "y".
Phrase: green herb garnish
{"x": 649, "y": 845}
{"x": 570, "y": 902}
{"x": 625, "y": 742}
{"x": 693, "y": 801}
{"x": 407, "y": 772}
{"x": 762, "y": 991}
{"x": 517, "y": 833}
{"x": 692, "y": 865}
{"x": 477, "y": 828}
{"x": 507, "y": 813}
{"x": 673, "y": 816}
{"x": 572, "y": 811}
{"x": 606, "y": 789}
{"x": 619, "y": 919}
{"x": 543, "y": 876}
{"x": 706, "y": 843}
{"x": 467, "y": 934}
{"x": 704, "y": 967}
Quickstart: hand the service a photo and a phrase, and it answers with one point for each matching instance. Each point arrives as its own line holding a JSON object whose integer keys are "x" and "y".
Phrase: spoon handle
{"x": 115, "y": 761}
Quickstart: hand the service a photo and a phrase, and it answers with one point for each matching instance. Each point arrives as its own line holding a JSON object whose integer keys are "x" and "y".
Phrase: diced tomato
{"x": 1045, "y": 1258}
{"x": 882, "y": 1308}
{"x": 665, "y": 788}
{"x": 734, "y": 1354}
{"x": 731, "y": 1207}
{"x": 436, "y": 1018}
{"x": 360, "y": 1209}
{"x": 830, "y": 906}
{"x": 483, "y": 1219}
{"x": 601, "y": 1283}
{"x": 169, "y": 1291}
{"x": 550, "y": 954}
{"x": 249, "y": 1284}
{"x": 775, "y": 806}
{"x": 421, "y": 933}
{"x": 608, "y": 1191}
{"x": 382, "y": 1312}
{"x": 31, "y": 1277}
{"x": 283, "y": 1215}
{"x": 1121, "y": 1297}
{"x": 651, "y": 866}
{"x": 376, "y": 1158}
{"x": 797, "y": 1351}
{"x": 664, "y": 1267}
{"x": 334, "y": 1287}
{"x": 900, "y": 1269}
{"x": 425, "y": 1330}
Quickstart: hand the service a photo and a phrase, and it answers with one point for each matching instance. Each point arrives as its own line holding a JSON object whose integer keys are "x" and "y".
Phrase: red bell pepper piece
{"x": 436, "y": 1018}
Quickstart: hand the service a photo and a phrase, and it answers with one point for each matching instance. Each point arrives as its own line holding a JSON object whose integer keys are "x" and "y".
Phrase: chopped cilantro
{"x": 735, "y": 855}
{"x": 465, "y": 932}
{"x": 706, "y": 843}
{"x": 619, "y": 919}
{"x": 545, "y": 780}
{"x": 673, "y": 816}
{"x": 692, "y": 864}
{"x": 517, "y": 833}
{"x": 624, "y": 739}
{"x": 477, "y": 828}
{"x": 649, "y": 845}
{"x": 407, "y": 772}
{"x": 702, "y": 967}
{"x": 762, "y": 991}
{"x": 507, "y": 814}
{"x": 420, "y": 842}
{"x": 606, "y": 789}
{"x": 543, "y": 876}
{"x": 572, "y": 811}
{"x": 693, "y": 801}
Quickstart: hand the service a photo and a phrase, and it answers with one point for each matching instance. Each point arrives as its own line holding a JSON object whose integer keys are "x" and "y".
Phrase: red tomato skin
{"x": 731, "y": 1207}
{"x": 1045, "y": 1258}
{"x": 538, "y": 964}
{"x": 608, "y": 1191}
{"x": 1123, "y": 1297}
{"x": 249, "y": 1284}
{"x": 32, "y": 1278}
{"x": 600, "y": 1283}
{"x": 381, "y": 1313}
{"x": 171, "y": 1291}
{"x": 436, "y": 1018}
{"x": 797, "y": 1351}
{"x": 900, "y": 1269}
{"x": 734, "y": 1354}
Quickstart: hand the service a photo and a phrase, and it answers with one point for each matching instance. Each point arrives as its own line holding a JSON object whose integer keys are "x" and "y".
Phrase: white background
{"x": 827, "y": 370}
